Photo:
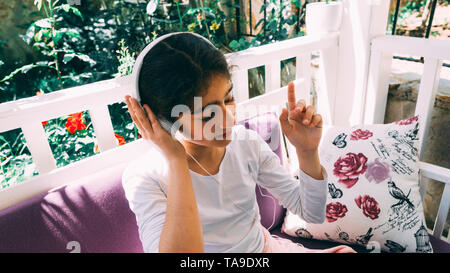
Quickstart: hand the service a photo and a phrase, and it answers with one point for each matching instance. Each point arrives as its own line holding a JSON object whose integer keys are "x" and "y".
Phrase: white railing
{"x": 434, "y": 52}
{"x": 28, "y": 113}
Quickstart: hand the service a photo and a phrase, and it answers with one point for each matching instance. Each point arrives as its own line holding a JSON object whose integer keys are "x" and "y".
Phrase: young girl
{"x": 196, "y": 193}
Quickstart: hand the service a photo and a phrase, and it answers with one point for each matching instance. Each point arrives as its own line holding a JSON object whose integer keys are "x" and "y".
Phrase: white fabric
{"x": 228, "y": 226}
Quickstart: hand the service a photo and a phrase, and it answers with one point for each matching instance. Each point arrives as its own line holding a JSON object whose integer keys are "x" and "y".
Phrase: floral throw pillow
{"x": 373, "y": 191}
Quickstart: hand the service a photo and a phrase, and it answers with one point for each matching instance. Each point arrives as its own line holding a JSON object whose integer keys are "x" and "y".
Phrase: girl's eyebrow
{"x": 214, "y": 102}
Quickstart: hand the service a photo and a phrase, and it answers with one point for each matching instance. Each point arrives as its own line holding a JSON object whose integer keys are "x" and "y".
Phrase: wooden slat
{"x": 275, "y": 98}
{"x": 326, "y": 93}
{"x": 444, "y": 207}
{"x": 37, "y": 143}
{"x": 240, "y": 85}
{"x": 103, "y": 128}
{"x": 15, "y": 114}
{"x": 413, "y": 46}
{"x": 377, "y": 87}
{"x": 273, "y": 75}
{"x": 282, "y": 50}
{"x": 431, "y": 171}
{"x": 303, "y": 70}
{"x": 434, "y": 172}
{"x": 426, "y": 97}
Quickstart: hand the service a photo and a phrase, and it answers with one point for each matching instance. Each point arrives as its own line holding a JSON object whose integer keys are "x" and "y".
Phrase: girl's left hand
{"x": 302, "y": 126}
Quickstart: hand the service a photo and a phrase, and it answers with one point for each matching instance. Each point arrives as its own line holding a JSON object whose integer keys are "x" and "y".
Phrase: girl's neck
{"x": 209, "y": 157}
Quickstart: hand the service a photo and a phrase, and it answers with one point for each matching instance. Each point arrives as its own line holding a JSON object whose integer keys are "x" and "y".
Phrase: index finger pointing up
{"x": 291, "y": 96}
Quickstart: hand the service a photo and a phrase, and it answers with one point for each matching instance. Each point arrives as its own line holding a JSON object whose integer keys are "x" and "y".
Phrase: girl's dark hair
{"x": 177, "y": 69}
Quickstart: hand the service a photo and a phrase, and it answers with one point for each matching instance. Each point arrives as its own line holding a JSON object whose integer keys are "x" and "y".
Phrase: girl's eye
{"x": 213, "y": 113}
{"x": 230, "y": 100}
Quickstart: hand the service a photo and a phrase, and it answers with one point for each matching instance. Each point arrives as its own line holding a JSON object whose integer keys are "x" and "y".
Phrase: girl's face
{"x": 210, "y": 122}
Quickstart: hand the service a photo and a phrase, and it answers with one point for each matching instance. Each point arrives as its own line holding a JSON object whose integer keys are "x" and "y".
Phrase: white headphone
{"x": 140, "y": 58}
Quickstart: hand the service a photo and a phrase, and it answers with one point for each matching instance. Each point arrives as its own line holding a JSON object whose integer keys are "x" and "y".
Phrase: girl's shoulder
{"x": 247, "y": 143}
{"x": 248, "y": 138}
{"x": 150, "y": 166}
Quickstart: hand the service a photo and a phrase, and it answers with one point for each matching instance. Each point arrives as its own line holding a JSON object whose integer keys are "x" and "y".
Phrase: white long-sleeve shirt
{"x": 227, "y": 225}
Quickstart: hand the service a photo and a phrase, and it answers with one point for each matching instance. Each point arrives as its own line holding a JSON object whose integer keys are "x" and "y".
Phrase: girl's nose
{"x": 229, "y": 118}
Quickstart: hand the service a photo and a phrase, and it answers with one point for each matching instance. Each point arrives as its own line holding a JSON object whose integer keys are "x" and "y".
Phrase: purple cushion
{"x": 94, "y": 212}
{"x": 268, "y": 127}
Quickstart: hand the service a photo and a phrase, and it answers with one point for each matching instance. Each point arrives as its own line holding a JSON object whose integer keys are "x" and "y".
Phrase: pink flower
{"x": 348, "y": 169}
{"x": 368, "y": 205}
{"x": 407, "y": 121}
{"x": 378, "y": 171}
{"x": 360, "y": 134}
{"x": 335, "y": 211}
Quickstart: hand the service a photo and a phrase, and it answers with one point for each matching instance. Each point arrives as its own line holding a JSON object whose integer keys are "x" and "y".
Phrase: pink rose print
{"x": 335, "y": 211}
{"x": 368, "y": 205}
{"x": 407, "y": 121}
{"x": 349, "y": 168}
{"x": 378, "y": 171}
{"x": 360, "y": 134}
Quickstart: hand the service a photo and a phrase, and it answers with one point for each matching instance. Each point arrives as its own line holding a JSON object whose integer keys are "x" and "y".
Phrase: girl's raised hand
{"x": 150, "y": 129}
{"x": 301, "y": 125}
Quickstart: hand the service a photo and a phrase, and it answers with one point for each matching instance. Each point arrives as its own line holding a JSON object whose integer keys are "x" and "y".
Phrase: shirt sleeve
{"x": 305, "y": 197}
{"x": 148, "y": 202}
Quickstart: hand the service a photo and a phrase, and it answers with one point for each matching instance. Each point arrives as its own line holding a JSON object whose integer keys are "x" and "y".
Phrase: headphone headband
{"x": 140, "y": 58}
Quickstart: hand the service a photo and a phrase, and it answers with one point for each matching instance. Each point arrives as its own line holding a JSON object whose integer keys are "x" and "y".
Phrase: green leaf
{"x": 3, "y": 162}
{"x": 29, "y": 35}
{"x": 44, "y": 23}
{"x": 263, "y": 7}
{"x": 297, "y": 3}
{"x": 233, "y": 44}
{"x": 64, "y": 31}
{"x": 38, "y": 4}
{"x": 24, "y": 69}
{"x": 259, "y": 22}
{"x": 151, "y": 7}
{"x": 67, "y": 8}
{"x": 68, "y": 57}
{"x": 73, "y": 34}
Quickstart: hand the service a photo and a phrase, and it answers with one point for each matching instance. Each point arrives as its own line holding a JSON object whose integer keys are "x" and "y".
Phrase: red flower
{"x": 407, "y": 121}
{"x": 44, "y": 123}
{"x": 360, "y": 134}
{"x": 368, "y": 205}
{"x": 121, "y": 139}
{"x": 349, "y": 168}
{"x": 335, "y": 211}
{"x": 75, "y": 122}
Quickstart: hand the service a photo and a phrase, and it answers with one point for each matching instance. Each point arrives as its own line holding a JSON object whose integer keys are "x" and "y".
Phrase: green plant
{"x": 53, "y": 40}
{"x": 126, "y": 60}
